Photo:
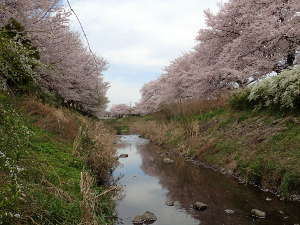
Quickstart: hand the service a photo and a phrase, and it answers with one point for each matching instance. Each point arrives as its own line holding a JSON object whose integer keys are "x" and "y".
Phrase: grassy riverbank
{"x": 263, "y": 147}
{"x": 253, "y": 133}
{"x": 54, "y": 164}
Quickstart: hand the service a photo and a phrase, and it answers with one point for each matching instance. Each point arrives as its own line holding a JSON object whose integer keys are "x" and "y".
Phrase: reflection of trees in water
{"x": 187, "y": 184}
{"x": 115, "y": 180}
{"x": 184, "y": 184}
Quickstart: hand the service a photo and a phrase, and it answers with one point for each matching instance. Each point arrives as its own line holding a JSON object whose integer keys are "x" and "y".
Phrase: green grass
{"x": 290, "y": 182}
{"x": 209, "y": 115}
{"x": 39, "y": 174}
{"x": 199, "y": 117}
{"x": 50, "y": 171}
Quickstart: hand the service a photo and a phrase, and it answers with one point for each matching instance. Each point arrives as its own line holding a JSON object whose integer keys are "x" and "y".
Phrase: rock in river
{"x": 147, "y": 217}
{"x": 199, "y": 206}
{"x": 258, "y": 213}
{"x": 268, "y": 199}
{"x": 169, "y": 203}
{"x": 229, "y": 211}
{"x": 138, "y": 220}
{"x": 168, "y": 161}
{"x": 123, "y": 156}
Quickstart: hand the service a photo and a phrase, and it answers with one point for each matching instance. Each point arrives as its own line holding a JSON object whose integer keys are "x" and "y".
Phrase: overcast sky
{"x": 139, "y": 37}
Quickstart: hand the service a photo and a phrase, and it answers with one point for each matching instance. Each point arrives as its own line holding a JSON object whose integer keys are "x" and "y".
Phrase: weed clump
{"x": 289, "y": 183}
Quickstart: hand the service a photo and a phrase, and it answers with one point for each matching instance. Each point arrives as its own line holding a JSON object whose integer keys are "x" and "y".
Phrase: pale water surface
{"x": 148, "y": 183}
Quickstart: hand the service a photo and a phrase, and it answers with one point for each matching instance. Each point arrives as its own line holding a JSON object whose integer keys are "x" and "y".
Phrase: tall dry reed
{"x": 190, "y": 107}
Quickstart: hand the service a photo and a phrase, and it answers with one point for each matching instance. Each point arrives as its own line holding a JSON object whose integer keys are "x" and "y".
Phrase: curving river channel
{"x": 148, "y": 183}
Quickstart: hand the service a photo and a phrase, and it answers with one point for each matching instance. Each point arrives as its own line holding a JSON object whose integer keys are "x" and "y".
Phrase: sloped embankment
{"x": 261, "y": 148}
{"x": 50, "y": 162}
{"x": 254, "y": 134}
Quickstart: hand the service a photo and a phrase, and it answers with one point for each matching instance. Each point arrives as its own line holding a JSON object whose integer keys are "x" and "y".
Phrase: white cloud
{"x": 140, "y": 33}
{"x": 122, "y": 91}
{"x": 134, "y": 55}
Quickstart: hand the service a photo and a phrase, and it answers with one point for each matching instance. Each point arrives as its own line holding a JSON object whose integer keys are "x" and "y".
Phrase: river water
{"x": 148, "y": 183}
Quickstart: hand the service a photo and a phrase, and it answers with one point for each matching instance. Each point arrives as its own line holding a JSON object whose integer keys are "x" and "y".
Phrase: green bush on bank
{"x": 240, "y": 101}
{"x": 18, "y": 58}
{"x": 280, "y": 92}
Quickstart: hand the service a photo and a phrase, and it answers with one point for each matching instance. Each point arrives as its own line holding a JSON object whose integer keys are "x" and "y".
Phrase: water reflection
{"x": 148, "y": 184}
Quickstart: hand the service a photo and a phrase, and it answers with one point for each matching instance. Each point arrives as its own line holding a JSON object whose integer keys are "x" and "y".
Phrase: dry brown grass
{"x": 159, "y": 133}
{"x": 89, "y": 200}
{"x": 99, "y": 146}
{"x": 208, "y": 145}
{"x": 175, "y": 125}
{"x": 59, "y": 121}
{"x": 58, "y": 192}
{"x": 191, "y": 107}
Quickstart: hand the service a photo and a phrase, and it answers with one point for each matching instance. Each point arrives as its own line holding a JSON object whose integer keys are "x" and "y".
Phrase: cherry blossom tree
{"x": 73, "y": 72}
{"x": 245, "y": 39}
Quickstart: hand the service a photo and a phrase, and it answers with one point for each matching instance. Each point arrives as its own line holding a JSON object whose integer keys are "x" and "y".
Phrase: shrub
{"x": 239, "y": 100}
{"x": 16, "y": 66}
{"x": 280, "y": 92}
{"x": 17, "y": 59}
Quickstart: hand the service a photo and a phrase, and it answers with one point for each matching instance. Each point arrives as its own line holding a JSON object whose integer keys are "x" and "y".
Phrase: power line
{"x": 85, "y": 36}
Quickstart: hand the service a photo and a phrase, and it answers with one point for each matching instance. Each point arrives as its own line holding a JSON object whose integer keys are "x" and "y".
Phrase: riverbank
{"x": 258, "y": 147}
{"x": 54, "y": 165}
{"x": 169, "y": 190}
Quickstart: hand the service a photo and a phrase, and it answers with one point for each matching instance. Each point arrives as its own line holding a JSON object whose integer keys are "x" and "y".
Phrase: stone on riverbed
{"x": 295, "y": 197}
{"x": 168, "y": 161}
{"x": 199, "y": 206}
{"x": 258, "y": 213}
{"x": 123, "y": 156}
{"x": 229, "y": 211}
{"x": 268, "y": 199}
{"x": 138, "y": 220}
{"x": 169, "y": 203}
{"x": 147, "y": 217}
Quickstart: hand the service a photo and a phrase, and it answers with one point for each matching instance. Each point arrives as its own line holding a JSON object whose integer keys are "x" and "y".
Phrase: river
{"x": 148, "y": 183}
